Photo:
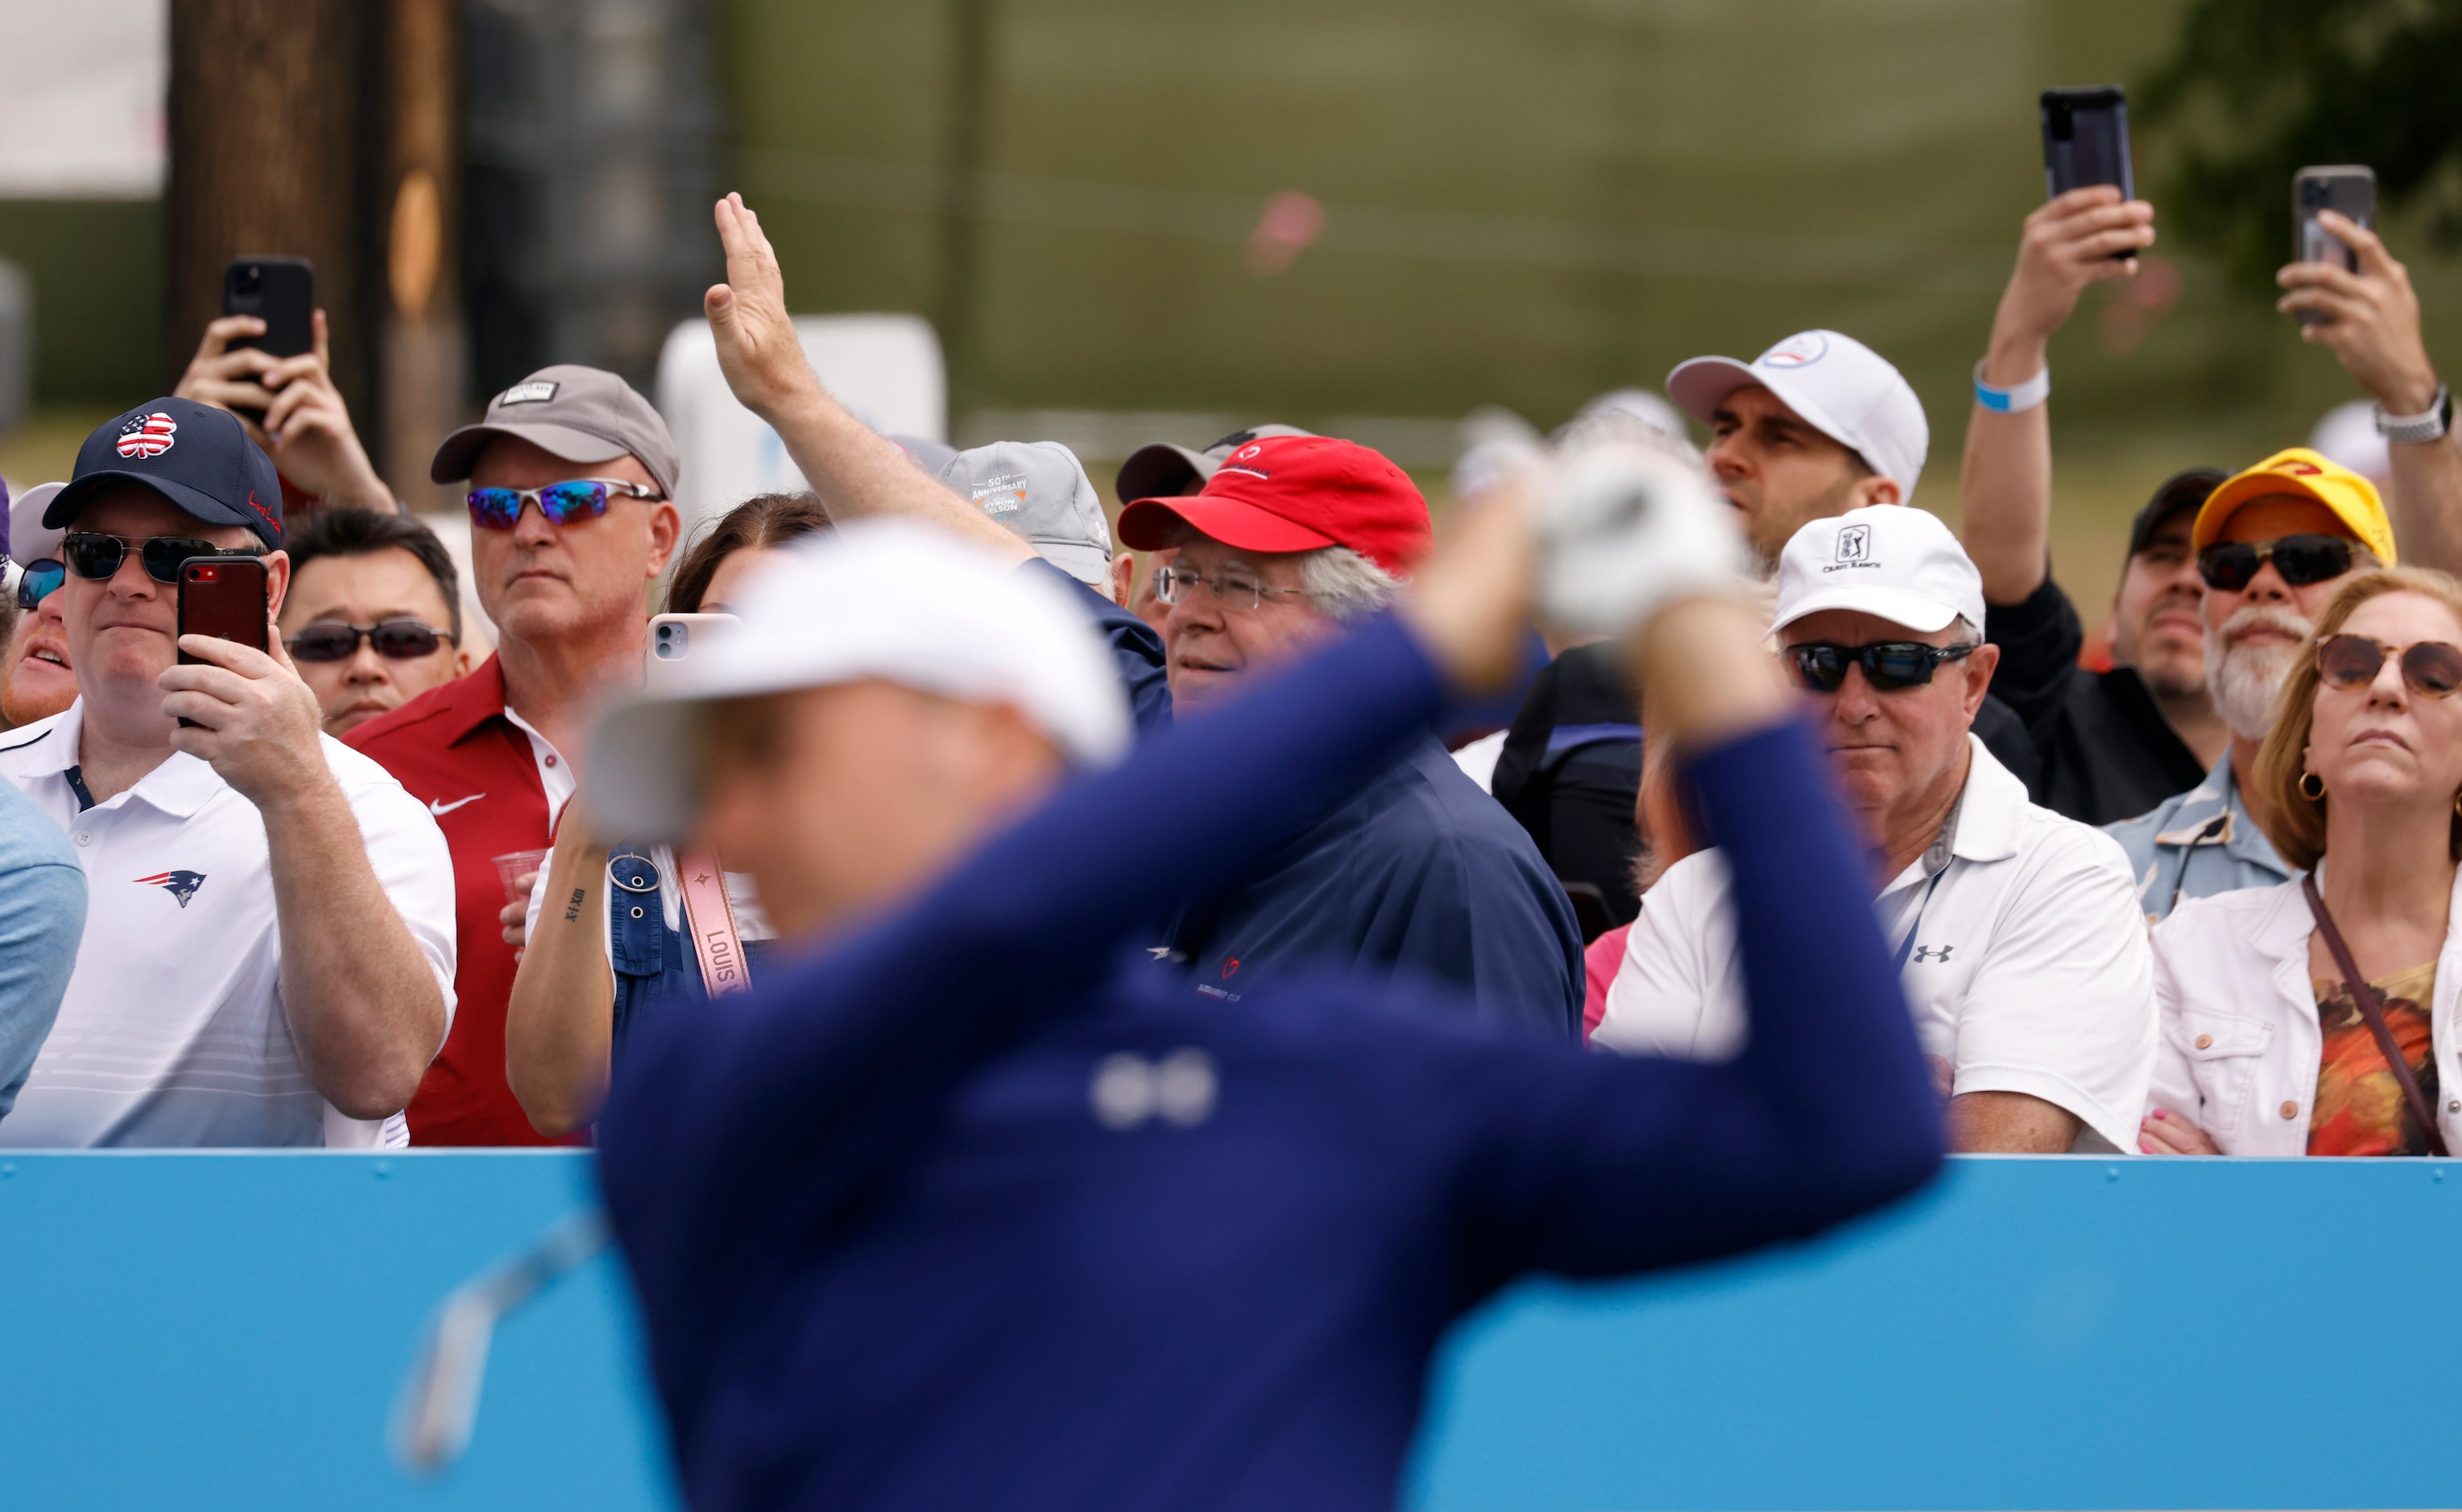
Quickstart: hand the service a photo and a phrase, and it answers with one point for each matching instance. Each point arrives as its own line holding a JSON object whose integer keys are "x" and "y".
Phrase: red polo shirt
{"x": 453, "y": 747}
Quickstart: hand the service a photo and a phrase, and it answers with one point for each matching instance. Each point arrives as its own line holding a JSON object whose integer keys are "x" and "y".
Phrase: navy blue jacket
{"x": 964, "y": 1211}
{"x": 1420, "y": 873}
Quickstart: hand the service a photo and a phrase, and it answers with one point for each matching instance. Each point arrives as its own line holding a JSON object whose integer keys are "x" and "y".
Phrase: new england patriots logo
{"x": 180, "y": 884}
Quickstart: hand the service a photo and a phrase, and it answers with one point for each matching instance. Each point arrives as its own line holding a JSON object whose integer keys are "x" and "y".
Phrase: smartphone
{"x": 2348, "y": 190}
{"x": 676, "y": 639}
{"x": 279, "y": 290}
{"x": 223, "y": 597}
{"x": 2086, "y": 141}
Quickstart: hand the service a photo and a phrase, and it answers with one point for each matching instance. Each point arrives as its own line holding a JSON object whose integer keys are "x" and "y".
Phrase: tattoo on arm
{"x": 572, "y": 909}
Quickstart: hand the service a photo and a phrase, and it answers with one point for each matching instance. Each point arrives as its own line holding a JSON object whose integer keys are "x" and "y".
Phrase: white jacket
{"x": 2240, "y": 1039}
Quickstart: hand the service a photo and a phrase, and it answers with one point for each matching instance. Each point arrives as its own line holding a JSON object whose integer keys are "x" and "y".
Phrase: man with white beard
{"x": 2273, "y": 544}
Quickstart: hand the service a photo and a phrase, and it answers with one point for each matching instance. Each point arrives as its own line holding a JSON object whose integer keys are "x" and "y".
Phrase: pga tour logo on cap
{"x": 147, "y": 435}
{"x": 1855, "y": 543}
{"x": 1796, "y": 352}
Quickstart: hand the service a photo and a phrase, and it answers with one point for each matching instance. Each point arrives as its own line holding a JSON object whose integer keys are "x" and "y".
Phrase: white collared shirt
{"x": 173, "y": 1032}
{"x": 2026, "y": 966}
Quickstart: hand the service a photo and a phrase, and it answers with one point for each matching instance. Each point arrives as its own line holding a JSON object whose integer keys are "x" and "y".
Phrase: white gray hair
{"x": 1346, "y": 584}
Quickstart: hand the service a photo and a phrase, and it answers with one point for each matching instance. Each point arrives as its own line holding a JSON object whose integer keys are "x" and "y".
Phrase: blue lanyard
{"x": 1908, "y": 943}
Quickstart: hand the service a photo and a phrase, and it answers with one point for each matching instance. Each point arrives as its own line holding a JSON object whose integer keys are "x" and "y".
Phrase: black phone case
{"x": 279, "y": 290}
{"x": 2086, "y": 141}
{"x": 223, "y": 597}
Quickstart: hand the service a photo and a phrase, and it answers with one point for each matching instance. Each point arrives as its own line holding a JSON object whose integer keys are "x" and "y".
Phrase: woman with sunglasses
{"x": 35, "y": 682}
{"x": 2318, "y": 1017}
{"x": 579, "y": 990}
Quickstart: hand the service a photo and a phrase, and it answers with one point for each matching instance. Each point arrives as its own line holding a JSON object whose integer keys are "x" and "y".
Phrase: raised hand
{"x": 757, "y": 350}
{"x": 2370, "y": 318}
{"x": 255, "y": 720}
{"x": 2067, "y": 244}
{"x": 288, "y": 406}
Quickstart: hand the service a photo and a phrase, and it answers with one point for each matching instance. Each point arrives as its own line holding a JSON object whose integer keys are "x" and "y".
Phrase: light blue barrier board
{"x": 227, "y": 1331}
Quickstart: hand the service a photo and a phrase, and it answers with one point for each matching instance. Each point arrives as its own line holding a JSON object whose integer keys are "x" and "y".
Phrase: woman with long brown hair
{"x": 2318, "y": 1017}
{"x": 579, "y": 989}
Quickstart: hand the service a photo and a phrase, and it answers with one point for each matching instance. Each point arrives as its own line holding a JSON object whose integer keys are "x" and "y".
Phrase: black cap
{"x": 197, "y": 456}
{"x": 2182, "y": 493}
{"x": 1163, "y": 470}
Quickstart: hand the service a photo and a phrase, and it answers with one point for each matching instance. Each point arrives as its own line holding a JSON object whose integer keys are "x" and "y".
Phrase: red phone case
{"x": 223, "y": 597}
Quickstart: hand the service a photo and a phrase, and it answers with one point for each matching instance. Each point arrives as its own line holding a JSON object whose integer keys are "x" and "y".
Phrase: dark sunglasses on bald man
{"x": 394, "y": 640}
{"x": 98, "y": 557}
{"x": 1888, "y": 666}
{"x": 558, "y": 504}
{"x": 2301, "y": 560}
{"x": 2429, "y": 668}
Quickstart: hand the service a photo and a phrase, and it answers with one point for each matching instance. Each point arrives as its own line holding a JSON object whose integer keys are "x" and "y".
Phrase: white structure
{"x": 884, "y": 368}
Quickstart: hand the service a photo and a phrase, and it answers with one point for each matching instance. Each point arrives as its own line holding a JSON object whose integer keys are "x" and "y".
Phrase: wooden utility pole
{"x": 266, "y": 127}
{"x": 424, "y": 352}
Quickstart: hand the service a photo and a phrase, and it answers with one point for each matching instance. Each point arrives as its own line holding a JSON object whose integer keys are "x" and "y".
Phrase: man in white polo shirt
{"x": 2017, "y": 931}
{"x": 267, "y": 956}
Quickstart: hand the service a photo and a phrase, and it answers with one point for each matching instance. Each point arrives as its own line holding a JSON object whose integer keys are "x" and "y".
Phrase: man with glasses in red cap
{"x": 570, "y": 474}
{"x": 1291, "y": 538}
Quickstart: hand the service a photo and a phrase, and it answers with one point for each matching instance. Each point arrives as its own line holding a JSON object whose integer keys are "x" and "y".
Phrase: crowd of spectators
{"x": 354, "y": 889}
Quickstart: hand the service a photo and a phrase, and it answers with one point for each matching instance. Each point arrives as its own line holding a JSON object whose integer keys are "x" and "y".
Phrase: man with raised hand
{"x": 2115, "y": 743}
{"x": 982, "y": 1214}
{"x": 268, "y": 944}
{"x": 2016, "y": 930}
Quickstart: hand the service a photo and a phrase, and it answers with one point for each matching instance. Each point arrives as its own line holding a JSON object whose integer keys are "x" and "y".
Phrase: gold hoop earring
{"x": 2317, "y": 792}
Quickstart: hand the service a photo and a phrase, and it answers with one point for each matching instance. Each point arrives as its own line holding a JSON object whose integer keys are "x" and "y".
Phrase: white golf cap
{"x": 29, "y": 539}
{"x": 1888, "y": 560}
{"x": 887, "y": 599}
{"x": 1837, "y": 385}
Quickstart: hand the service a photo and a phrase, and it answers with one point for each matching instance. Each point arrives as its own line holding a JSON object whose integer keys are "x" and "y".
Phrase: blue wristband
{"x": 2012, "y": 401}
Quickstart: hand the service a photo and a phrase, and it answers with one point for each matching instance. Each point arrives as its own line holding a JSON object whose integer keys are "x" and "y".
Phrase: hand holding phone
{"x": 2350, "y": 190}
{"x": 226, "y": 598}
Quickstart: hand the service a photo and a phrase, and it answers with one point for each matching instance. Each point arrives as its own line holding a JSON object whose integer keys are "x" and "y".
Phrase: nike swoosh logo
{"x": 439, "y": 810}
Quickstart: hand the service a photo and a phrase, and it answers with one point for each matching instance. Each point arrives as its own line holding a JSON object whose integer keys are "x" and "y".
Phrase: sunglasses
{"x": 2231, "y": 564}
{"x": 393, "y": 640}
{"x": 39, "y": 580}
{"x": 2429, "y": 668}
{"x": 1888, "y": 666}
{"x": 98, "y": 557}
{"x": 558, "y": 504}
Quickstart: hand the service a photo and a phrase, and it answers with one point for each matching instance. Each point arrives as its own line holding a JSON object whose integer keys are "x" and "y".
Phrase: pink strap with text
{"x": 711, "y": 918}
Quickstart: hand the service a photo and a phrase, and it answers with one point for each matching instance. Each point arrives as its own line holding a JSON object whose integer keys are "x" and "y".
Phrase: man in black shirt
{"x": 2112, "y": 744}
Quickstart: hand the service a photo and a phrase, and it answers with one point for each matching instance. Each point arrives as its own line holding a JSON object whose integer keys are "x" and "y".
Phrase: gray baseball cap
{"x": 582, "y": 415}
{"x": 1039, "y": 490}
{"x": 1162, "y": 469}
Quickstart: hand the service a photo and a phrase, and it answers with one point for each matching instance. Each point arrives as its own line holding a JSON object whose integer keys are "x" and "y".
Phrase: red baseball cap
{"x": 1296, "y": 493}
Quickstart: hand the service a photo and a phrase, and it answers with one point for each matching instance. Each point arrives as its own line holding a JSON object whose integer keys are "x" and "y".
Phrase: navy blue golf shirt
{"x": 964, "y": 1209}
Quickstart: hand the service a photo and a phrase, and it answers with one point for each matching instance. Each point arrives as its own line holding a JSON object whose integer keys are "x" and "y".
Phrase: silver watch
{"x": 2428, "y": 426}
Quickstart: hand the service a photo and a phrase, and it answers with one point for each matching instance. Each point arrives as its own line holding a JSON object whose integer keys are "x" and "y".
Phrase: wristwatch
{"x": 2430, "y": 425}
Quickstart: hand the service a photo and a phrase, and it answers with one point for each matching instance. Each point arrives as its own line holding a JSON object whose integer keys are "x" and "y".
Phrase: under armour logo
{"x": 1127, "y": 1090}
{"x": 180, "y": 884}
{"x": 1932, "y": 952}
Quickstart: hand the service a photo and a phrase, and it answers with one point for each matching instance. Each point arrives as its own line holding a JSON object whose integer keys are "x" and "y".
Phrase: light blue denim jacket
{"x": 2198, "y": 845}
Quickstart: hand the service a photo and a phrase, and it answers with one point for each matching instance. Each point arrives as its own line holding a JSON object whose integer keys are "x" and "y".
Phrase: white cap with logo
{"x": 877, "y": 599}
{"x": 1888, "y": 560}
{"x": 1837, "y": 385}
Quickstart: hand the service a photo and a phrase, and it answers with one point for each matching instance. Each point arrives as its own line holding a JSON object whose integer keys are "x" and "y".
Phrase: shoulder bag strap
{"x": 715, "y": 945}
{"x": 2366, "y": 996}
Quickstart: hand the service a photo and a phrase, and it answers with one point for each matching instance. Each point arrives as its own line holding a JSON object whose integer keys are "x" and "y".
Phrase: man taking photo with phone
{"x": 268, "y": 954}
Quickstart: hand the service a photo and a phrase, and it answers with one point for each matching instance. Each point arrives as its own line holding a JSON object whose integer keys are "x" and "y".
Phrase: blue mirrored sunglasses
{"x": 558, "y": 504}
{"x": 41, "y": 579}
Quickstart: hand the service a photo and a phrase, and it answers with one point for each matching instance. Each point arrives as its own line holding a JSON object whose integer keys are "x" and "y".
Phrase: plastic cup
{"x": 513, "y": 865}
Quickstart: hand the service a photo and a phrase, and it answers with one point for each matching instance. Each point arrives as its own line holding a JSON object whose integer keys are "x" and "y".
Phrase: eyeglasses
{"x": 1888, "y": 666}
{"x": 393, "y": 640}
{"x": 2304, "y": 559}
{"x": 38, "y": 582}
{"x": 98, "y": 557}
{"x": 1232, "y": 587}
{"x": 2429, "y": 668}
{"x": 558, "y": 504}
